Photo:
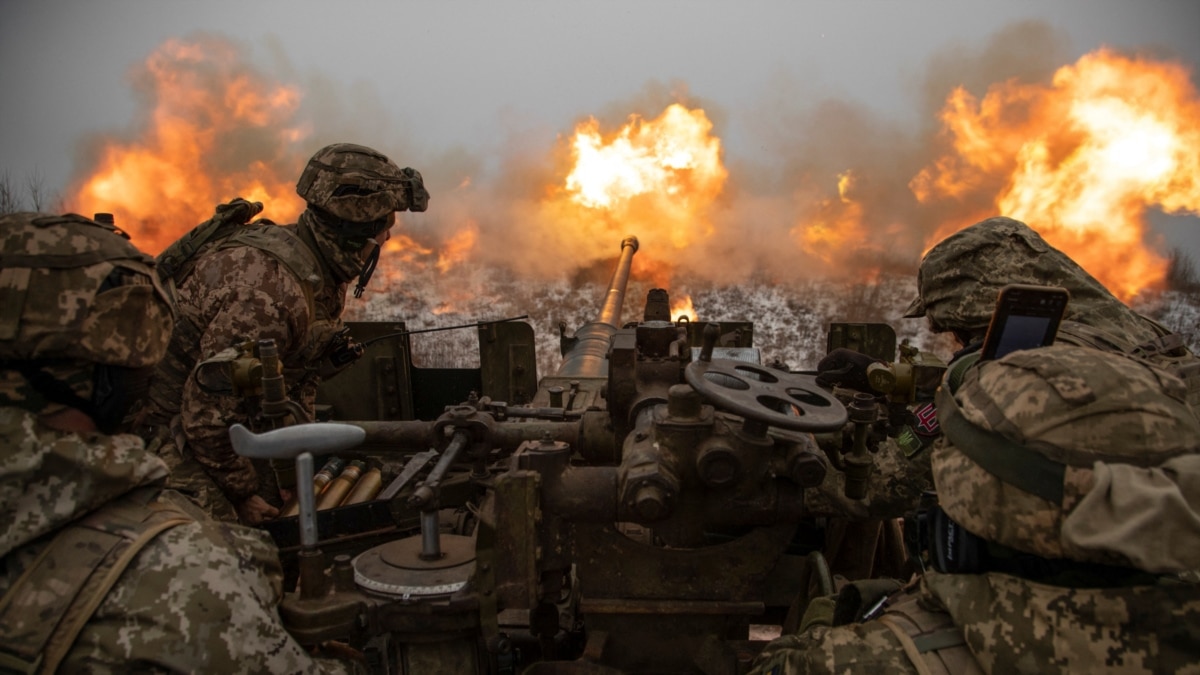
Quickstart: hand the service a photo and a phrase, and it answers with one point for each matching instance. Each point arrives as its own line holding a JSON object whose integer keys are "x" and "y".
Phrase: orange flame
{"x": 402, "y": 251}
{"x": 1080, "y": 160}
{"x": 657, "y": 179}
{"x": 838, "y": 227}
{"x": 458, "y": 247}
{"x": 673, "y": 156}
{"x": 212, "y": 122}
{"x": 682, "y": 307}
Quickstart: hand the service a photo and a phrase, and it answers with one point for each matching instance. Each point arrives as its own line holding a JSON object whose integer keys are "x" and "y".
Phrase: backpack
{"x": 177, "y": 261}
{"x": 1167, "y": 352}
{"x": 1080, "y": 433}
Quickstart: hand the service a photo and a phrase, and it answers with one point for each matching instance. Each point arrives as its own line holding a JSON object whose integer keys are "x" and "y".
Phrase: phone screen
{"x": 1025, "y": 317}
{"x": 1022, "y": 332}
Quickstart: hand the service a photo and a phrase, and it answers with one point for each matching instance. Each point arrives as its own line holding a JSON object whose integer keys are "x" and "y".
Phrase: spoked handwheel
{"x": 768, "y": 397}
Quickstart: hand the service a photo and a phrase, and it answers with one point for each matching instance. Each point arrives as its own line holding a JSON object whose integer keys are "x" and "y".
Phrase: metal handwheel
{"x": 772, "y": 397}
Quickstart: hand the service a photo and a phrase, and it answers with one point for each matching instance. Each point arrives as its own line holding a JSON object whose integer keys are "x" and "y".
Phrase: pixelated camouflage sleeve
{"x": 249, "y": 296}
{"x": 894, "y": 487}
{"x": 822, "y": 650}
{"x": 1017, "y": 625}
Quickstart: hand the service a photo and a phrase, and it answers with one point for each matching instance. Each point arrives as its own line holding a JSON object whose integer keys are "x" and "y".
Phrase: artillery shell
{"x": 321, "y": 480}
{"x": 367, "y": 487}
{"x": 336, "y": 491}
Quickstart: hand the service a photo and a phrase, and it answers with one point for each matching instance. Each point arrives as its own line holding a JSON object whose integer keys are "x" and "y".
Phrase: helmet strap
{"x": 50, "y": 388}
{"x": 368, "y": 268}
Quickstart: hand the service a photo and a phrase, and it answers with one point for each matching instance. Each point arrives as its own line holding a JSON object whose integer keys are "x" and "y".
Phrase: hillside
{"x": 790, "y": 319}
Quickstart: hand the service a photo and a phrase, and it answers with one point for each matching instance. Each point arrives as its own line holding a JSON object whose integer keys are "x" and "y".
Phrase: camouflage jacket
{"x": 200, "y": 597}
{"x": 1009, "y": 625}
{"x": 900, "y": 468}
{"x": 237, "y": 293}
{"x": 960, "y": 277}
{"x": 897, "y": 480}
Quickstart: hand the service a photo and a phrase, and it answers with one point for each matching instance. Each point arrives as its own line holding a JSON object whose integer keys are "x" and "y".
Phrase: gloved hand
{"x": 254, "y": 510}
{"x": 846, "y": 368}
{"x": 239, "y": 211}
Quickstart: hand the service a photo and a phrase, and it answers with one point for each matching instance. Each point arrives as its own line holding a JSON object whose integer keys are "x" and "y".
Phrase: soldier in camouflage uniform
{"x": 961, "y": 276}
{"x": 101, "y": 570}
{"x": 958, "y": 282}
{"x": 1069, "y": 487}
{"x": 900, "y": 461}
{"x": 286, "y": 283}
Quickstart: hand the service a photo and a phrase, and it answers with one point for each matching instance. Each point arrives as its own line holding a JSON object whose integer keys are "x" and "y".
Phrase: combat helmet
{"x": 960, "y": 277}
{"x": 359, "y": 185}
{"x": 83, "y": 316}
{"x": 353, "y": 193}
{"x": 1072, "y": 453}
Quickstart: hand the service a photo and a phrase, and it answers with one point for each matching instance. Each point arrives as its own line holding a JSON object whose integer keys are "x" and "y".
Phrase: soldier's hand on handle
{"x": 254, "y": 510}
{"x": 845, "y": 367}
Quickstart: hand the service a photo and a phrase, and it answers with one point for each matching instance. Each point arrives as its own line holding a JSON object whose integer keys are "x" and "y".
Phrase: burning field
{"x": 1083, "y": 156}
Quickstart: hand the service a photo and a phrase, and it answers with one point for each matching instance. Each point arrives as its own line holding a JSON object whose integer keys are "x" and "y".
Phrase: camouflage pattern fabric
{"x": 1114, "y": 438}
{"x": 894, "y": 487}
{"x": 1016, "y": 626}
{"x": 322, "y": 236}
{"x": 74, "y": 293}
{"x": 1011, "y": 625}
{"x": 823, "y": 650}
{"x": 234, "y": 294}
{"x": 201, "y": 597}
{"x": 360, "y": 185}
{"x": 960, "y": 277}
{"x": 827, "y": 643}
{"x": 70, "y": 308}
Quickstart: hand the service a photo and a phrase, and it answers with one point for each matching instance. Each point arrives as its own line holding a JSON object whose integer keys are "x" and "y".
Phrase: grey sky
{"x": 429, "y": 77}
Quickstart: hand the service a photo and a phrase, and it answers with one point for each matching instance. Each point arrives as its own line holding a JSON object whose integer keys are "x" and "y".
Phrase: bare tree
{"x": 1181, "y": 271}
{"x": 10, "y": 198}
{"x": 35, "y": 187}
{"x": 32, "y": 195}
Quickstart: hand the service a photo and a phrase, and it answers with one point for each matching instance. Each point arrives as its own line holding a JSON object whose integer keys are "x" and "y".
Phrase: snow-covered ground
{"x": 790, "y": 320}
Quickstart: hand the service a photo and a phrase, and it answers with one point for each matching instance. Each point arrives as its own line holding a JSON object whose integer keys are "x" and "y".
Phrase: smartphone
{"x": 1026, "y": 316}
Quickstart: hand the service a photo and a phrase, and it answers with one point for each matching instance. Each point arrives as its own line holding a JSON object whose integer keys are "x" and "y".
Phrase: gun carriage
{"x": 637, "y": 511}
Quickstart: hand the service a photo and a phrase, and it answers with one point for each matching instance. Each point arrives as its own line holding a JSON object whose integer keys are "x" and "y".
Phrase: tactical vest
{"x": 931, "y": 641}
{"x": 46, "y": 609}
{"x": 286, "y": 246}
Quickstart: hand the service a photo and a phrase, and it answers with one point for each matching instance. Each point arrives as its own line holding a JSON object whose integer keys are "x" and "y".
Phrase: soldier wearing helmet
{"x": 958, "y": 281}
{"x": 1068, "y": 482}
{"x": 101, "y": 569}
{"x": 285, "y": 283}
{"x": 1068, "y": 488}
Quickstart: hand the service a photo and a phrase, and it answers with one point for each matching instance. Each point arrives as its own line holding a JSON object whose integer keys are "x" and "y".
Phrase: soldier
{"x": 961, "y": 276}
{"x": 900, "y": 460}
{"x": 1068, "y": 481}
{"x": 958, "y": 281}
{"x": 286, "y": 283}
{"x": 101, "y": 570}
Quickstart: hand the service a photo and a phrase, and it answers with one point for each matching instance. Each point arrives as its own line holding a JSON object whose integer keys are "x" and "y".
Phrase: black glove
{"x": 846, "y": 368}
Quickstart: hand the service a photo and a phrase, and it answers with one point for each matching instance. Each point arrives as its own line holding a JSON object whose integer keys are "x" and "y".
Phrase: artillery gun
{"x": 636, "y": 512}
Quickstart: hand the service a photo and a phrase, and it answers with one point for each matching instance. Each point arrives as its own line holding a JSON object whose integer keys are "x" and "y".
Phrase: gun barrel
{"x": 589, "y": 356}
{"x": 614, "y": 299}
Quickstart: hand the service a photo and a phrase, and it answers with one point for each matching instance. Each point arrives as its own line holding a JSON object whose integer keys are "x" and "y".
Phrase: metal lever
{"x": 426, "y": 497}
{"x": 318, "y": 438}
{"x": 300, "y": 442}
